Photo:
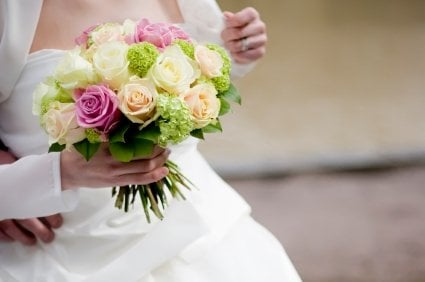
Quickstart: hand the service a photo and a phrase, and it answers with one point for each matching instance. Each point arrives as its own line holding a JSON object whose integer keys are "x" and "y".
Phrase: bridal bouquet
{"x": 133, "y": 86}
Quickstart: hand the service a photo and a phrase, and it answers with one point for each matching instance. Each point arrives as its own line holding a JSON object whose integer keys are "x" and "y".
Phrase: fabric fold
{"x": 19, "y": 18}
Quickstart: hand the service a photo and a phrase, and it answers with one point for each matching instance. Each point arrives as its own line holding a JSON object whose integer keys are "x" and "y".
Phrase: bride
{"x": 209, "y": 237}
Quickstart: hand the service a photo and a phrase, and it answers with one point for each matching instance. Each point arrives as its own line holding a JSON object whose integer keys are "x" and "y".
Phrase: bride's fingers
{"x": 141, "y": 166}
{"x": 11, "y": 229}
{"x": 252, "y": 29}
{"x": 157, "y": 150}
{"x": 5, "y": 237}
{"x": 143, "y": 178}
{"x": 53, "y": 221}
{"x": 240, "y": 18}
{"x": 249, "y": 55}
{"x": 252, "y": 42}
{"x": 37, "y": 228}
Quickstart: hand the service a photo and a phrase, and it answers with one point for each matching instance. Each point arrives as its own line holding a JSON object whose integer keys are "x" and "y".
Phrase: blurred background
{"x": 329, "y": 144}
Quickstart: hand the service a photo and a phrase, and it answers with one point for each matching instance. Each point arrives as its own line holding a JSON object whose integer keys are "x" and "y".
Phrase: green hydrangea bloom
{"x": 187, "y": 47}
{"x": 93, "y": 136}
{"x": 176, "y": 122}
{"x": 141, "y": 57}
{"x": 221, "y": 83}
{"x": 45, "y": 105}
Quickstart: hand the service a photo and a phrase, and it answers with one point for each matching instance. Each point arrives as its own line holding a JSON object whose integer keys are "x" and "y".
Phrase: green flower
{"x": 175, "y": 121}
{"x": 141, "y": 57}
{"x": 93, "y": 136}
{"x": 221, "y": 83}
{"x": 186, "y": 47}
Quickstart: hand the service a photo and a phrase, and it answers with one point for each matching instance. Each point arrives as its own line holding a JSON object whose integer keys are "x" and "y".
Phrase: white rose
{"x": 110, "y": 61}
{"x": 61, "y": 125}
{"x": 128, "y": 27}
{"x": 209, "y": 61}
{"x": 106, "y": 33}
{"x": 174, "y": 71}
{"x": 203, "y": 103}
{"x": 73, "y": 71}
{"x": 46, "y": 93}
{"x": 138, "y": 99}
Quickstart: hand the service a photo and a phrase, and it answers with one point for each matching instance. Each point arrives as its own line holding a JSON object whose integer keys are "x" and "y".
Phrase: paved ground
{"x": 346, "y": 226}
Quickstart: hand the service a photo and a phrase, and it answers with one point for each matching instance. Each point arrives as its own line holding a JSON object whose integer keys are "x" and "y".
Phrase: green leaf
{"x": 56, "y": 147}
{"x": 151, "y": 133}
{"x": 224, "y": 107}
{"x": 197, "y": 133}
{"x": 213, "y": 127}
{"x": 142, "y": 147}
{"x": 121, "y": 151}
{"x": 119, "y": 134}
{"x": 87, "y": 149}
{"x": 231, "y": 94}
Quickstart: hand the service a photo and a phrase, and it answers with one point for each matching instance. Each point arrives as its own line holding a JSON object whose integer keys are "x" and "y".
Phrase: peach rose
{"x": 61, "y": 125}
{"x": 138, "y": 99}
{"x": 209, "y": 61}
{"x": 203, "y": 103}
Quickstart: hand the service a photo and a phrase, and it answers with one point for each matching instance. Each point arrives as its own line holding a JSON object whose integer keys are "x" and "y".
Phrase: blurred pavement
{"x": 365, "y": 226}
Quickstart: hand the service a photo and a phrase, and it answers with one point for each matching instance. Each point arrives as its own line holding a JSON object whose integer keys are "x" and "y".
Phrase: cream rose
{"x": 106, "y": 33}
{"x": 174, "y": 71}
{"x": 73, "y": 71}
{"x": 209, "y": 61}
{"x": 128, "y": 27}
{"x": 61, "y": 125}
{"x": 110, "y": 61}
{"x": 203, "y": 103}
{"x": 138, "y": 99}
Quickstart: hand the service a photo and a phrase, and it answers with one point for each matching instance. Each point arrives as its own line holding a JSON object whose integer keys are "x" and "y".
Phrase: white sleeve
{"x": 30, "y": 187}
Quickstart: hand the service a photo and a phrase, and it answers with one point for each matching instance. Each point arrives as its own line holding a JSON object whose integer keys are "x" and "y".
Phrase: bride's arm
{"x": 41, "y": 185}
{"x": 13, "y": 230}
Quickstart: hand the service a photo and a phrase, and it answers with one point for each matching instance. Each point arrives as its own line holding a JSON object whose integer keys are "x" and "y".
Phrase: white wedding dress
{"x": 208, "y": 238}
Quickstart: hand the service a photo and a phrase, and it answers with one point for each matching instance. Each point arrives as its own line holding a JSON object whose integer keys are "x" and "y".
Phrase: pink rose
{"x": 84, "y": 37}
{"x": 159, "y": 34}
{"x": 97, "y": 107}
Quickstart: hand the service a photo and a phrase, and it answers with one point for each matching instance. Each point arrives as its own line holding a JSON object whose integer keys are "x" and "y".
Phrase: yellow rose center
{"x": 171, "y": 72}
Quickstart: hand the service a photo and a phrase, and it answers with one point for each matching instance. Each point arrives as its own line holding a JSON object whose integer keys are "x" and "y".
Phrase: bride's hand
{"x": 104, "y": 171}
{"x": 6, "y": 157}
{"x": 245, "y": 35}
{"x": 27, "y": 231}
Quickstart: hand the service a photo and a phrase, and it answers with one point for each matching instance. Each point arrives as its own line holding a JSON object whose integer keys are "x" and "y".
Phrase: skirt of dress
{"x": 247, "y": 253}
{"x": 210, "y": 237}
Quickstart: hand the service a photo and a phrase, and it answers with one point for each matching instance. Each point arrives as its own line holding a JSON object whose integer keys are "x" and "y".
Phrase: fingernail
{"x": 227, "y": 15}
{"x": 48, "y": 238}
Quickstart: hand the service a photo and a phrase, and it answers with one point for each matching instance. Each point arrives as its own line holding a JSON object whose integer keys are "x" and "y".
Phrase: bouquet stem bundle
{"x": 153, "y": 196}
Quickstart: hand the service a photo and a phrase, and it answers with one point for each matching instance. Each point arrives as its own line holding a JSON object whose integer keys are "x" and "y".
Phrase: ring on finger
{"x": 244, "y": 44}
